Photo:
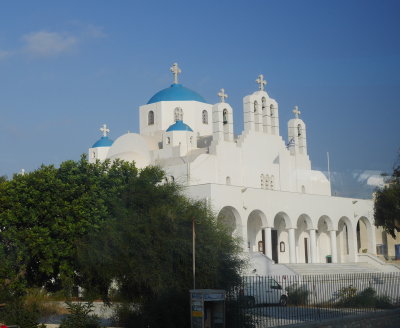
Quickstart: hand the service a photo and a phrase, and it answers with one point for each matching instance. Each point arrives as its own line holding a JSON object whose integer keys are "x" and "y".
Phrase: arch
{"x": 204, "y": 117}
{"x": 150, "y": 118}
{"x": 255, "y": 106}
{"x": 229, "y": 217}
{"x": 280, "y": 218}
{"x": 345, "y": 240}
{"x": 225, "y": 116}
{"x": 303, "y": 239}
{"x": 365, "y": 236}
{"x": 326, "y": 221}
{"x": 255, "y": 221}
{"x": 263, "y": 103}
{"x": 324, "y": 243}
{"x": 178, "y": 114}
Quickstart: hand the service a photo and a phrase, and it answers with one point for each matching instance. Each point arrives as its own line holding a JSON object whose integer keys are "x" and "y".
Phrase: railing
{"x": 275, "y": 301}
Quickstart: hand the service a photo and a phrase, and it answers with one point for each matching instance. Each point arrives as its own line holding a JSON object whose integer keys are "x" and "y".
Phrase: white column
{"x": 268, "y": 242}
{"x": 292, "y": 246}
{"x": 313, "y": 246}
{"x": 333, "y": 245}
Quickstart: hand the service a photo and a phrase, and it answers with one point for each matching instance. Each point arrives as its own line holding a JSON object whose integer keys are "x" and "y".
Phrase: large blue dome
{"x": 176, "y": 92}
{"x": 103, "y": 142}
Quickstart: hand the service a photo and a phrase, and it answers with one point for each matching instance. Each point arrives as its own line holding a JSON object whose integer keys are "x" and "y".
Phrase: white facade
{"x": 260, "y": 185}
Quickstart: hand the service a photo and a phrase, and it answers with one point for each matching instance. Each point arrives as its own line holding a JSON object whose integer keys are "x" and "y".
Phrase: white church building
{"x": 261, "y": 186}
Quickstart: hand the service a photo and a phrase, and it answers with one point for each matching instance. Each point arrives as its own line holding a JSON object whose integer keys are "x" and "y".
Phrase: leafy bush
{"x": 17, "y": 313}
{"x": 236, "y": 317}
{"x": 367, "y": 298}
{"x": 80, "y": 316}
{"x": 297, "y": 295}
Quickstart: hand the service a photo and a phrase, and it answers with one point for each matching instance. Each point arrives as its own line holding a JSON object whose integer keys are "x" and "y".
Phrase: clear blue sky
{"x": 66, "y": 67}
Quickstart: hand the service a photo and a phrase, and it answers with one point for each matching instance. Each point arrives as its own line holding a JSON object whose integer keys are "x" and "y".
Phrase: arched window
{"x": 225, "y": 116}
{"x": 255, "y": 106}
{"x": 228, "y": 181}
{"x": 191, "y": 140}
{"x": 299, "y": 130}
{"x": 303, "y": 189}
{"x": 150, "y": 118}
{"x": 204, "y": 116}
{"x": 263, "y": 103}
{"x": 262, "y": 181}
{"x": 168, "y": 140}
{"x": 272, "y": 182}
{"x": 271, "y": 110}
{"x": 178, "y": 114}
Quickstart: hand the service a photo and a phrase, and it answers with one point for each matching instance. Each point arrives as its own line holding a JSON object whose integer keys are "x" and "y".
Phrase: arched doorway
{"x": 345, "y": 240}
{"x": 281, "y": 252}
{"x": 324, "y": 243}
{"x": 255, "y": 234}
{"x": 365, "y": 236}
{"x": 303, "y": 244}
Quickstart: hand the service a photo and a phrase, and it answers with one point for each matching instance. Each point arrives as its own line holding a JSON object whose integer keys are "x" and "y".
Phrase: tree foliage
{"x": 387, "y": 203}
{"x": 44, "y": 213}
{"x": 146, "y": 249}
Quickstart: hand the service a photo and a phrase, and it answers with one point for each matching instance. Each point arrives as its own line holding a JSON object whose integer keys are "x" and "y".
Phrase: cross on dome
{"x": 222, "y": 95}
{"x": 296, "y": 111}
{"x": 104, "y": 130}
{"x": 175, "y": 71}
{"x": 261, "y": 82}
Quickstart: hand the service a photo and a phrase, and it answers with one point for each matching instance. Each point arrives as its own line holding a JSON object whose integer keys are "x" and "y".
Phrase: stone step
{"x": 333, "y": 268}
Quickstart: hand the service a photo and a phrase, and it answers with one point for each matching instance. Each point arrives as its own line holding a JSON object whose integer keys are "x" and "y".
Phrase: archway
{"x": 324, "y": 249}
{"x": 345, "y": 240}
{"x": 280, "y": 238}
{"x": 365, "y": 236}
{"x": 229, "y": 217}
{"x": 255, "y": 234}
{"x": 303, "y": 244}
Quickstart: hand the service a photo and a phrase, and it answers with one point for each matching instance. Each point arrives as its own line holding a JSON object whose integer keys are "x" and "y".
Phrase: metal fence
{"x": 275, "y": 301}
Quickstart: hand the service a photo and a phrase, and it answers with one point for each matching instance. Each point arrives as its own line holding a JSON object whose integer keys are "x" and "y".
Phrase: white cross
{"x": 175, "y": 71}
{"x": 105, "y": 130}
{"x": 261, "y": 82}
{"x": 296, "y": 111}
{"x": 222, "y": 95}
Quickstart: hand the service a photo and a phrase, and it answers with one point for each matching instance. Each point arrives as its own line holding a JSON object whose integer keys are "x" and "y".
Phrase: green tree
{"x": 146, "y": 250}
{"x": 44, "y": 213}
{"x": 387, "y": 203}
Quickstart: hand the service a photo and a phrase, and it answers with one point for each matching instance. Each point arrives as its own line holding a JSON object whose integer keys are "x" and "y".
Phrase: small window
{"x": 191, "y": 140}
{"x": 299, "y": 130}
{"x": 225, "y": 116}
{"x": 204, "y": 116}
{"x": 178, "y": 114}
{"x": 150, "y": 118}
{"x": 168, "y": 140}
{"x": 263, "y": 103}
{"x": 228, "y": 181}
{"x": 303, "y": 189}
{"x": 267, "y": 182}
{"x": 255, "y": 106}
{"x": 271, "y": 110}
{"x": 262, "y": 181}
{"x": 272, "y": 182}
{"x": 93, "y": 154}
{"x": 282, "y": 247}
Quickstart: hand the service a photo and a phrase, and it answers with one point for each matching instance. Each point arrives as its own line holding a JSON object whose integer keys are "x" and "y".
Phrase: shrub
{"x": 236, "y": 317}
{"x": 297, "y": 295}
{"x": 80, "y": 316}
{"x": 367, "y": 298}
{"x": 17, "y": 313}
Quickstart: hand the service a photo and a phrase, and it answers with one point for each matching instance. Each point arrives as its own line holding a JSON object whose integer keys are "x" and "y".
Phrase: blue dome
{"x": 179, "y": 126}
{"x": 176, "y": 92}
{"x": 103, "y": 142}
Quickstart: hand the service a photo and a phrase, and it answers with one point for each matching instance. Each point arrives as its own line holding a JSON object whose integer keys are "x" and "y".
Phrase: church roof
{"x": 176, "y": 92}
{"x": 179, "y": 126}
{"x": 103, "y": 142}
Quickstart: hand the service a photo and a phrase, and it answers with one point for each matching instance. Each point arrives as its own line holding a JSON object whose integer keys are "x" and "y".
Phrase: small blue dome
{"x": 176, "y": 92}
{"x": 103, "y": 142}
{"x": 179, "y": 126}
